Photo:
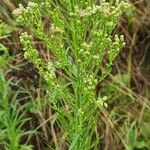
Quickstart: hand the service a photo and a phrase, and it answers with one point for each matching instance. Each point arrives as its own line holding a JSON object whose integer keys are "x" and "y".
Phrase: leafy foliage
{"x": 11, "y": 119}
{"x": 79, "y": 38}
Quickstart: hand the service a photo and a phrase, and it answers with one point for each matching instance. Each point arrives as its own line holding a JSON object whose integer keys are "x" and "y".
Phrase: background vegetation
{"x": 26, "y": 122}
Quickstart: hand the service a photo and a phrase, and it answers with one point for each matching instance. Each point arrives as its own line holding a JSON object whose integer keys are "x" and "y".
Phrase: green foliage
{"x": 79, "y": 37}
{"x": 132, "y": 138}
{"x": 5, "y": 30}
{"x": 11, "y": 119}
{"x": 3, "y": 56}
{"x": 11, "y": 116}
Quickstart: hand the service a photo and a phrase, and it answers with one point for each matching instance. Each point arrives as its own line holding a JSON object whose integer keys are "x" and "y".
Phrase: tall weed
{"x": 79, "y": 38}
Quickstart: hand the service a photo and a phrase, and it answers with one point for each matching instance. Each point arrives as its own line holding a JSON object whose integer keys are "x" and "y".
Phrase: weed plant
{"x": 79, "y": 38}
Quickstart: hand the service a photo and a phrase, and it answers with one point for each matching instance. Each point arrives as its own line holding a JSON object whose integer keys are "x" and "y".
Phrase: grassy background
{"x": 123, "y": 125}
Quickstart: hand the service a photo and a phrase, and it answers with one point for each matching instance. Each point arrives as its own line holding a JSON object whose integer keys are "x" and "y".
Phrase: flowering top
{"x": 79, "y": 36}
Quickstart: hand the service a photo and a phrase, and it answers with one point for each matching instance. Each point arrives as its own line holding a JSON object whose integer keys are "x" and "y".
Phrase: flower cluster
{"x": 29, "y": 16}
{"x": 19, "y": 11}
{"x": 46, "y": 71}
{"x": 115, "y": 47}
{"x": 105, "y": 9}
{"x": 55, "y": 30}
{"x": 101, "y": 101}
{"x": 85, "y": 50}
{"x": 90, "y": 82}
{"x": 79, "y": 37}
